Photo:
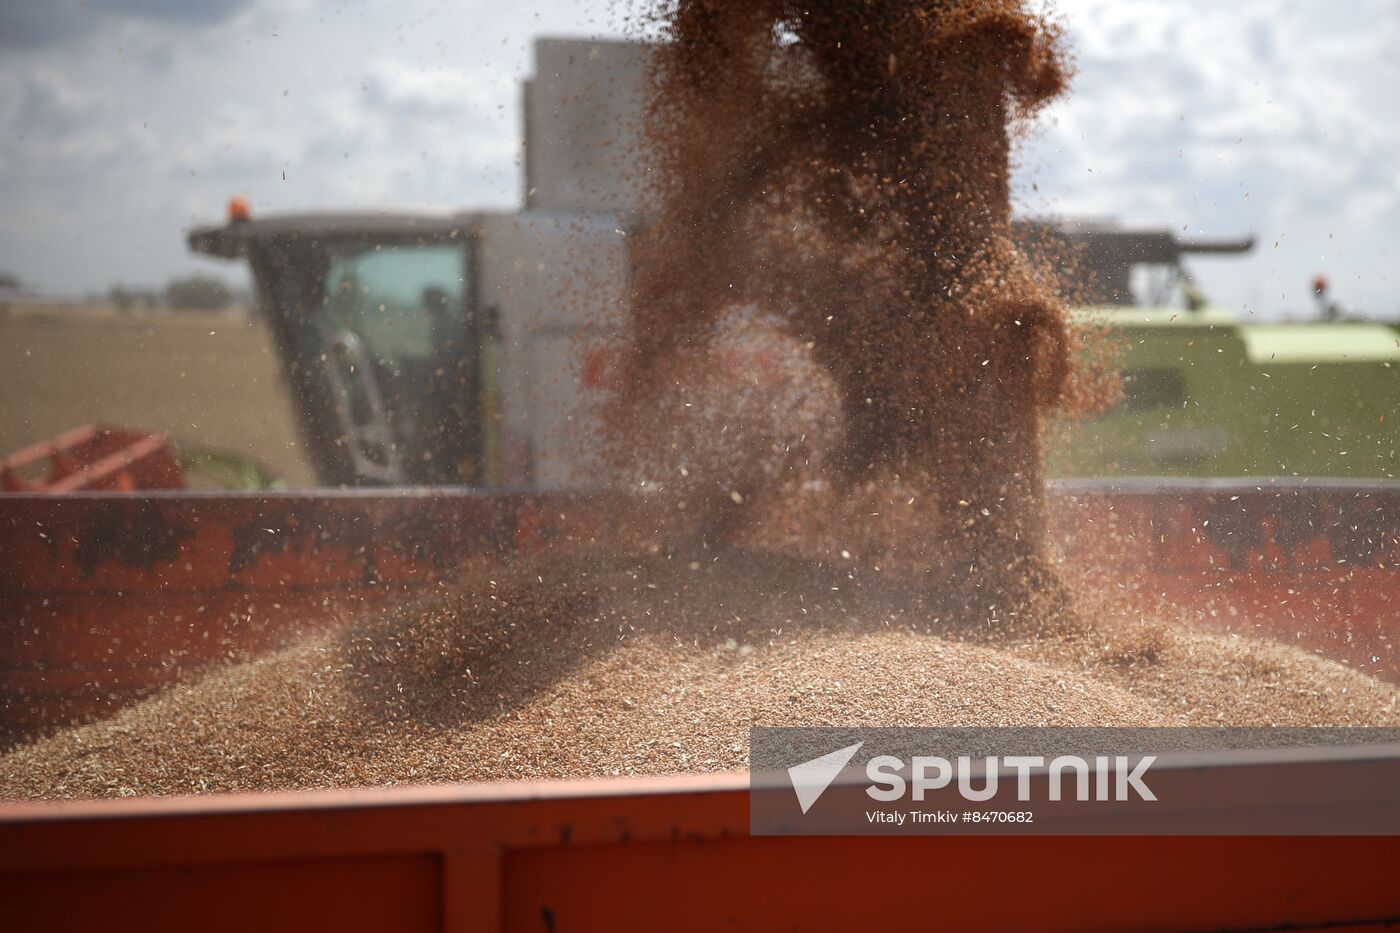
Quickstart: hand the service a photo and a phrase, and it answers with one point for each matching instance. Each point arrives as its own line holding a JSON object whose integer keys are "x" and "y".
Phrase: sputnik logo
{"x": 811, "y": 778}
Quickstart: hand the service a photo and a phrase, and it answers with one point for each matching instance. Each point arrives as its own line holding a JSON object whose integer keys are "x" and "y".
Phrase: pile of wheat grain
{"x": 594, "y": 666}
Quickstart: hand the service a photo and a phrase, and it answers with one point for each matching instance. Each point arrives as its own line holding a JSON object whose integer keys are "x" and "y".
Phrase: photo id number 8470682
{"x": 998, "y": 816}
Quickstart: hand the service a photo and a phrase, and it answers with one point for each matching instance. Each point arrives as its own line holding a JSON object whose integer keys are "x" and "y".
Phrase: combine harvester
{"x": 418, "y": 350}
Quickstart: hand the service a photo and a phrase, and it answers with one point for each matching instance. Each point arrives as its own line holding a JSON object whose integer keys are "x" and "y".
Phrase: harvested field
{"x": 609, "y": 666}
{"x": 156, "y": 371}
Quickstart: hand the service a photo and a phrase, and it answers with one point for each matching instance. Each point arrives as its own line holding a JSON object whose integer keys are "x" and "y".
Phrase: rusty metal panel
{"x": 358, "y": 893}
{"x": 660, "y": 853}
{"x": 1316, "y": 564}
{"x": 1068, "y": 884}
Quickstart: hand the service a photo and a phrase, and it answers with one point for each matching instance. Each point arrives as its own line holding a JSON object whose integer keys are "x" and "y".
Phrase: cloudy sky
{"x": 124, "y": 122}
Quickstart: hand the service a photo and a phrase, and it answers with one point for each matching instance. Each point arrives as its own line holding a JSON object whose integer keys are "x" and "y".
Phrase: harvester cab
{"x": 1103, "y": 264}
{"x": 364, "y": 311}
{"x": 432, "y": 350}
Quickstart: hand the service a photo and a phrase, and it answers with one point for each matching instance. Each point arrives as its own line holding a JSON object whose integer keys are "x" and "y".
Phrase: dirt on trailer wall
{"x": 208, "y": 380}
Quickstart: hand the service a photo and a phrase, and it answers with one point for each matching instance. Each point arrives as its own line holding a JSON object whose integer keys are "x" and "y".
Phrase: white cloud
{"x": 1279, "y": 118}
{"x": 1275, "y": 118}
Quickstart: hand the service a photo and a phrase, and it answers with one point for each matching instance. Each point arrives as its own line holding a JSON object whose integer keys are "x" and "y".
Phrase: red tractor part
{"x": 94, "y": 457}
